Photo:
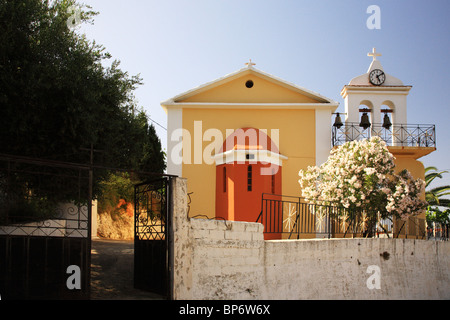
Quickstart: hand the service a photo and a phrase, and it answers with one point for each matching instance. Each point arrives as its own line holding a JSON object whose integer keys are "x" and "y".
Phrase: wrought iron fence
{"x": 45, "y": 209}
{"x": 151, "y": 209}
{"x": 438, "y": 231}
{"x": 287, "y": 217}
{"x": 43, "y": 198}
{"x": 396, "y": 135}
{"x": 45, "y": 226}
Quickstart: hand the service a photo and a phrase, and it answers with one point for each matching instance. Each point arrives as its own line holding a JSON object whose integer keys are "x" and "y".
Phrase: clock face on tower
{"x": 377, "y": 77}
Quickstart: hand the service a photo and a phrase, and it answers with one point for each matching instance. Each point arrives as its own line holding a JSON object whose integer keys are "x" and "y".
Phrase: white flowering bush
{"x": 359, "y": 176}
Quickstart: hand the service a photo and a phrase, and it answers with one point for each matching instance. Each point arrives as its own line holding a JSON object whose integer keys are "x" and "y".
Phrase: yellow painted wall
{"x": 263, "y": 91}
{"x": 296, "y": 141}
{"x": 415, "y": 167}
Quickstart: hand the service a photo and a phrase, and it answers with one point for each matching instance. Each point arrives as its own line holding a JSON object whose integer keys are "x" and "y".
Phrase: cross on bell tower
{"x": 374, "y": 54}
{"x": 361, "y": 94}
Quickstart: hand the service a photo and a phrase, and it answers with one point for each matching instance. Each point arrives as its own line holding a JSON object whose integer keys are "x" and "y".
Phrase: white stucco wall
{"x": 174, "y": 138}
{"x": 323, "y": 136}
{"x": 219, "y": 260}
{"x": 339, "y": 269}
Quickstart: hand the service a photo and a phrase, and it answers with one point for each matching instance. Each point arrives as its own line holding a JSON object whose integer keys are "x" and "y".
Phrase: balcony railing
{"x": 413, "y": 135}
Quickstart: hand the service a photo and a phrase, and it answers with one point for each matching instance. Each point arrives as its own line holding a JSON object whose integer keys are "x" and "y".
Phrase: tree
{"x": 435, "y": 197}
{"x": 359, "y": 176}
{"x": 57, "y": 97}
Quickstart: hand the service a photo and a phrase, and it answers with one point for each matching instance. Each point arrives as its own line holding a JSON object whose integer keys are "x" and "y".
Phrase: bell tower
{"x": 375, "y": 105}
{"x": 376, "y": 96}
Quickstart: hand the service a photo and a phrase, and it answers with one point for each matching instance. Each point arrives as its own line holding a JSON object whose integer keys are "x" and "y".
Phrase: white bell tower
{"x": 376, "y": 91}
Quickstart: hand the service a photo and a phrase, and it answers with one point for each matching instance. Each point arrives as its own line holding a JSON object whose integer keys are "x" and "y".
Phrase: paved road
{"x": 112, "y": 272}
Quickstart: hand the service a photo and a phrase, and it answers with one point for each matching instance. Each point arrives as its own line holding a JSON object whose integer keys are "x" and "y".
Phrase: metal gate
{"x": 151, "y": 237}
{"x": 45, "y": 229}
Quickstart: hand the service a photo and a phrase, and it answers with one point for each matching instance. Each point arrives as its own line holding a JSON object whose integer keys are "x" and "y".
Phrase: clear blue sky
{"x": 176, "y": 45}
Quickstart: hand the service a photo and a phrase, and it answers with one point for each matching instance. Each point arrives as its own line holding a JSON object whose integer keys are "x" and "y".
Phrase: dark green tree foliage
{"x": 152, "y": 158}
{"x": 57, "y": 98}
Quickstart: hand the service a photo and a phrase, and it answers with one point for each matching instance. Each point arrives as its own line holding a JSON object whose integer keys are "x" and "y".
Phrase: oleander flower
{"x": 360, "y": 174}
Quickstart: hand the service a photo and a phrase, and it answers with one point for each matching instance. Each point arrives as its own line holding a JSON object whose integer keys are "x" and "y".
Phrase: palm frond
{"x": 431, "y": 176}
{"x": 440, "y": 190}
{"x": 435, "y": 196}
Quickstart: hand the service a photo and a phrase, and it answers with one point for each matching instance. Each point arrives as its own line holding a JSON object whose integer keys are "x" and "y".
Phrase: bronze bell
{"x": 338, "y": 122}
{"x": 386, "y": 122}
{"x": 365, "y": 123}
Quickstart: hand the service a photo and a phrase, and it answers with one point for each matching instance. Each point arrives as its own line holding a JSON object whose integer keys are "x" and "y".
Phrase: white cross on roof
{"x": 250, "y": 64}
{"x": 374, "y": 54}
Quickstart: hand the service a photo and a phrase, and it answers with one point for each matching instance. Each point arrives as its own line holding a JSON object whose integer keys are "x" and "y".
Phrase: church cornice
{"x": 370, "y": 89}
{"x": 239, "y": 105}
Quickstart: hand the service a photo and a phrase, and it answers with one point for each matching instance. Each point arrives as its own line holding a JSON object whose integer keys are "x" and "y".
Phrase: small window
{"x": 249, "y": 84}
{"x": 273, "y": 181}
{"x": 224, "y": 179}
{"x": 249, "y": 178}
{"x": 250, "y": 156}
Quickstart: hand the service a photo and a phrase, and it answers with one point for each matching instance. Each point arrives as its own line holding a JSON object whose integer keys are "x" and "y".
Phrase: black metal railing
{"x": 438, "y": 231}
{"x": 288, "y": 217}
{"x": 44, "y": 198}
{"x": 420, "y": 135}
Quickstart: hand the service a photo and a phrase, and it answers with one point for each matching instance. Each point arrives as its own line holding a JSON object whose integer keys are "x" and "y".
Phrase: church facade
{"x": 250, "y": 133}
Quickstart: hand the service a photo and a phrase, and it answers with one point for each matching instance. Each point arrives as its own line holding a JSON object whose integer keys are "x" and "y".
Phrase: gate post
{"x": 180, "y": 246}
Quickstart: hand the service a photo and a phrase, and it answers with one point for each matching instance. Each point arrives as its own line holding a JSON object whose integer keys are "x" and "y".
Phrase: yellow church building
{"x": 250, "y": 132}
{"x": 199, "y": 121}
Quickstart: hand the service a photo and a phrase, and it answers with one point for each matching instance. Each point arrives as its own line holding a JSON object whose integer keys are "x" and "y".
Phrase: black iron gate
{"x": 45, "y": 229}
{"x": 151, "y": 237}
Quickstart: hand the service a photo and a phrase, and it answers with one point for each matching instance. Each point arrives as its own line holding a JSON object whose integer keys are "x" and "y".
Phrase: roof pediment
{"x": 248, "y": 86}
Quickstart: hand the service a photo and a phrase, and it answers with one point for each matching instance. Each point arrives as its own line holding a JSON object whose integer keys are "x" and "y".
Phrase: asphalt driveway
{"x": 112, "y": 272}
